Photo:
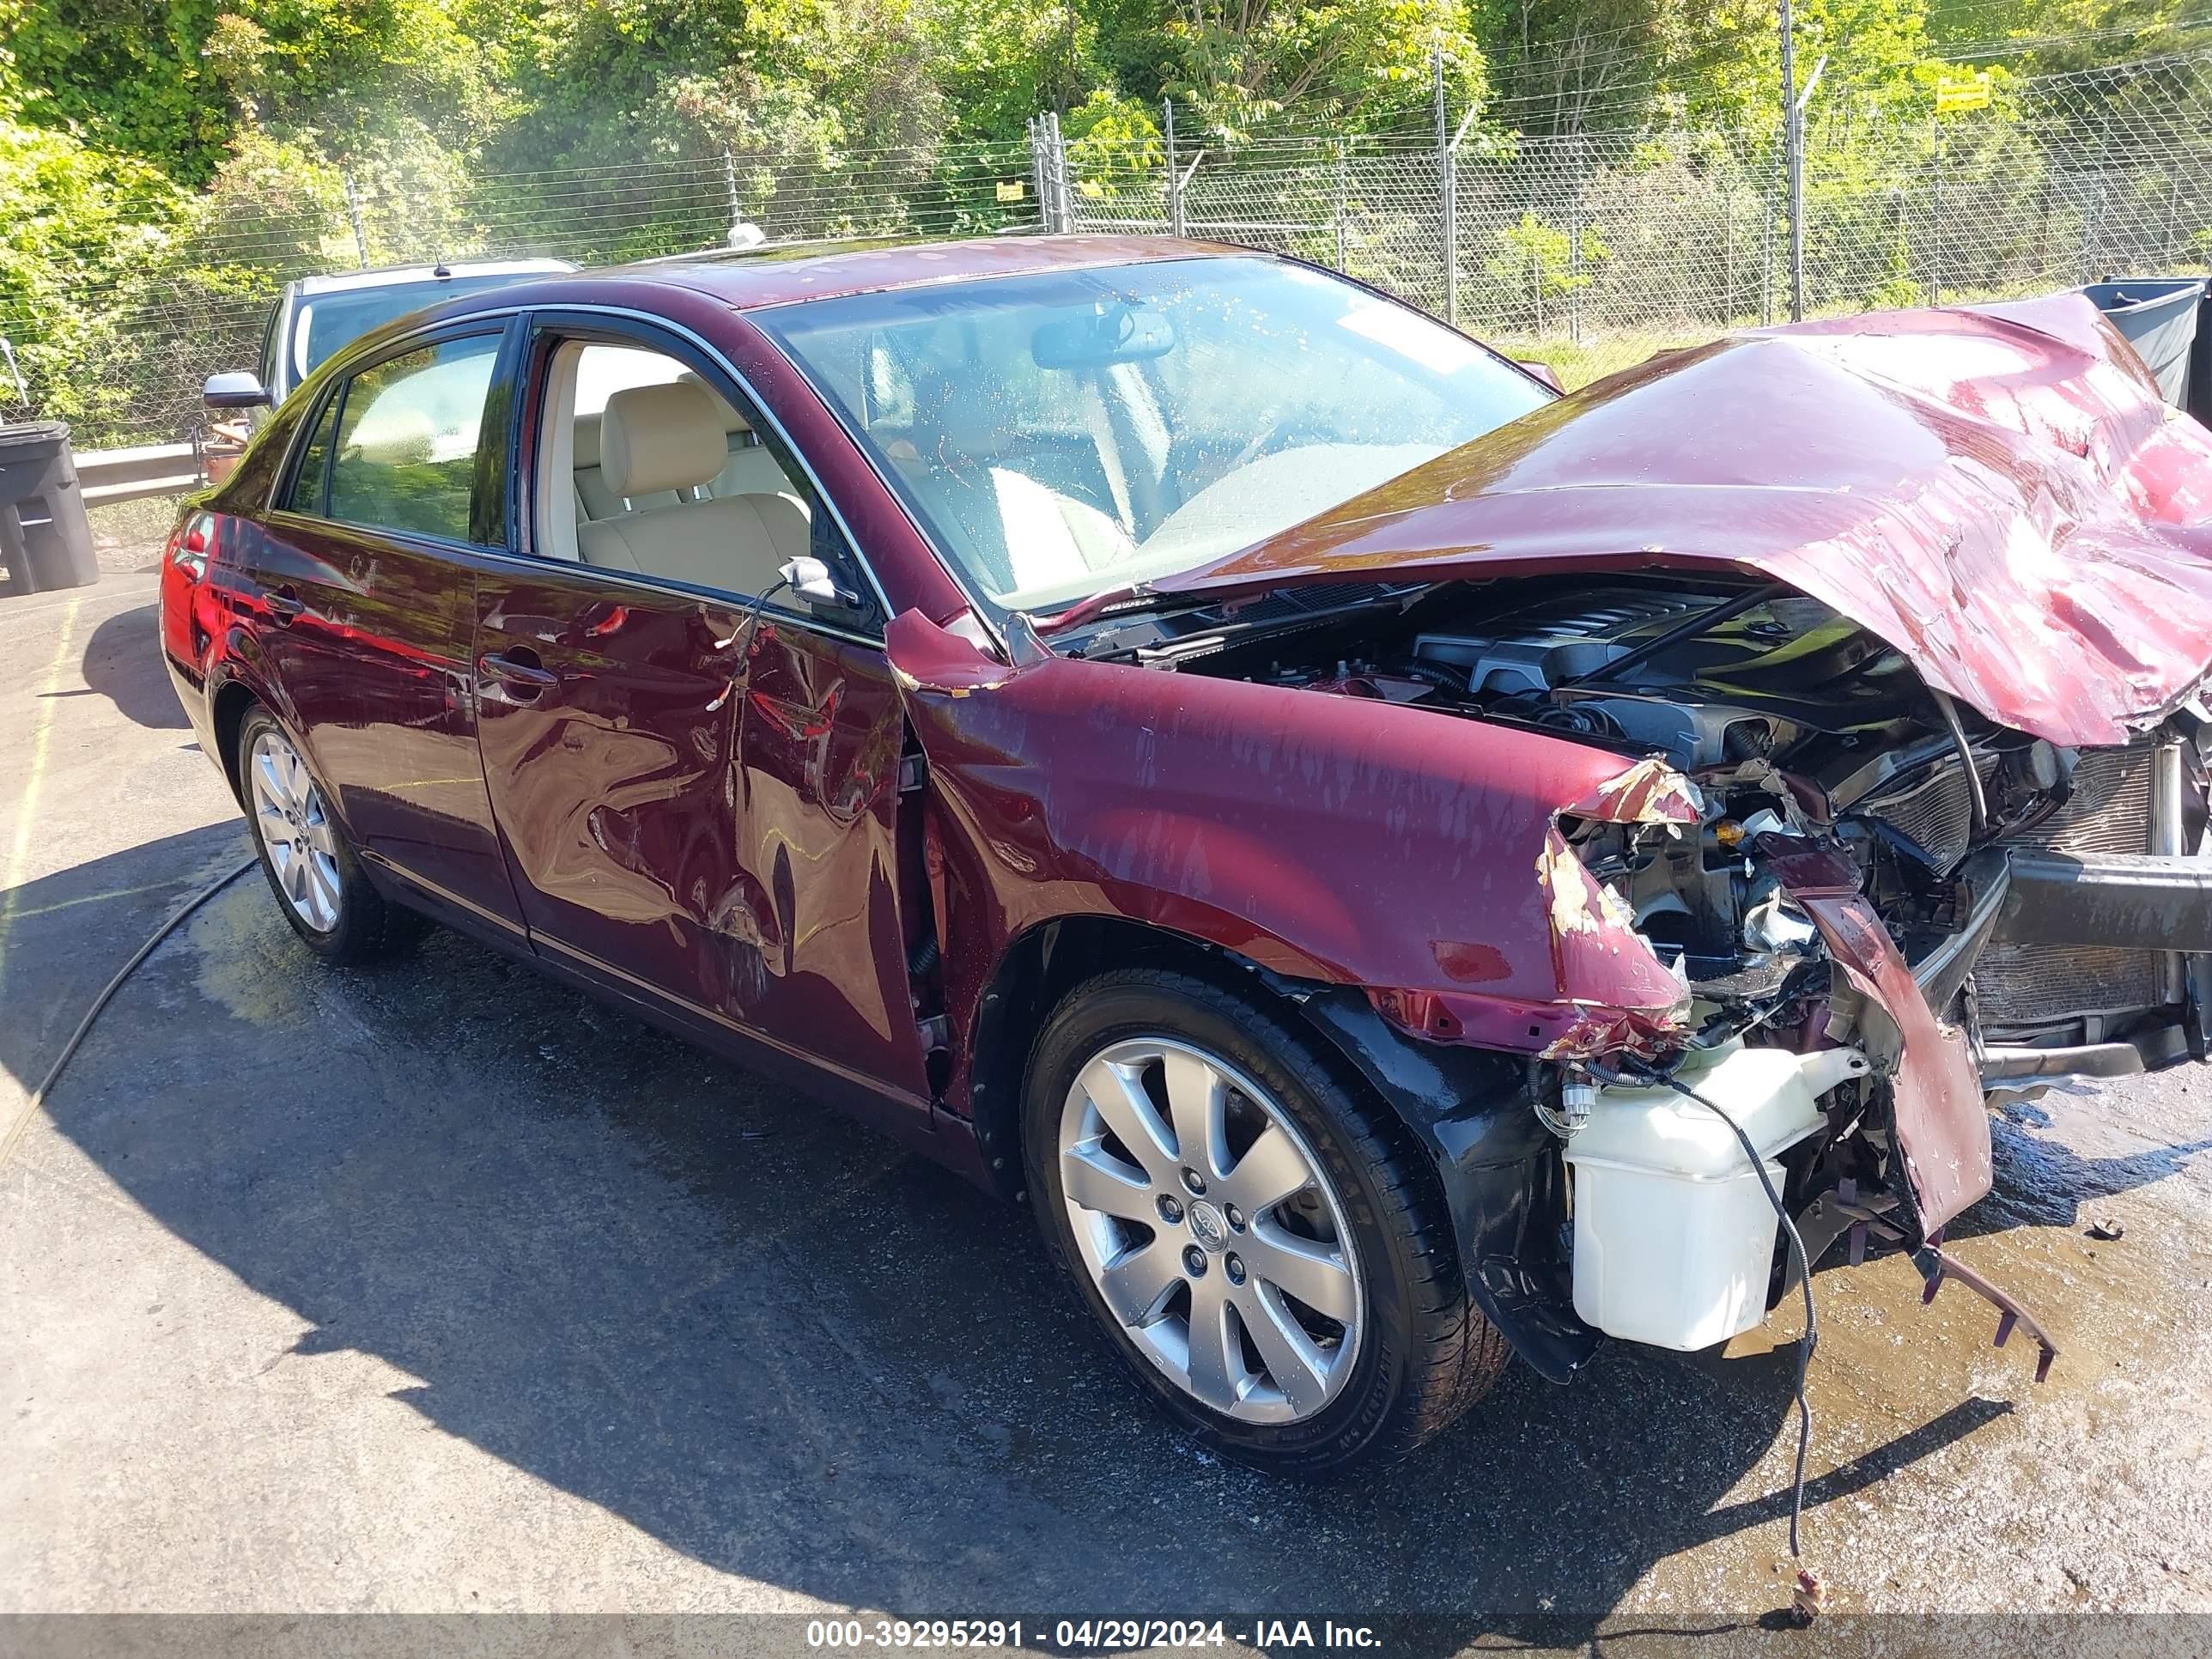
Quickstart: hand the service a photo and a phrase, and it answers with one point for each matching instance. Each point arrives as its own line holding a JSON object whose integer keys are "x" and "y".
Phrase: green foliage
{"x": 1543, "y": 260}
{"x": 140, "y": 139}
{"x": 1878, "y": 52}
{"x": 78, "y": 216}
{"x": 125, "y": 74}
{"x": 1353, "y": 62}
{"x": 1109, "y": 135}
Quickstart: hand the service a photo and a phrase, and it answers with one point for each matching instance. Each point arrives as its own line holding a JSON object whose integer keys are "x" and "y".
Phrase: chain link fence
{"x": 124, "y": 353}
{"x": 1592, "y": 250}
{"x": 1589, "y": 252}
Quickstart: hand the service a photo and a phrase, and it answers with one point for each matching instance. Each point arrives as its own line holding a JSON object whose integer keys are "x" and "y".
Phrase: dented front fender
{"x": 1348, "y": 842}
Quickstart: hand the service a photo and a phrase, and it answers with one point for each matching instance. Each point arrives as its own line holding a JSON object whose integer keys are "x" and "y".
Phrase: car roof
{"x": 339, "y": 281}
{"x": 755, "y": 278}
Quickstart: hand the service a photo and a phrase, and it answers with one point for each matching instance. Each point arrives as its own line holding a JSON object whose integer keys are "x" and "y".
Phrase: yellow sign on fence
{"x": 1013, "y": 190}
{"x": 1954, "y": 93}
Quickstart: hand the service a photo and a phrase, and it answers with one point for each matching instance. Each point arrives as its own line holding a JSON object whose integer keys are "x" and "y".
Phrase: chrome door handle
{"x": 523, "y": 679}
{"x": 285, "y": 605}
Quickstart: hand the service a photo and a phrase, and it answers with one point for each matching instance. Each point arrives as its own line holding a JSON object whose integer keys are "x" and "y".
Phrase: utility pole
{"x": 352, "y": 211}
{"x": 1793, "y": 142}
{"x": 1447, "y": 186}
{"x": 1174, "y": 182}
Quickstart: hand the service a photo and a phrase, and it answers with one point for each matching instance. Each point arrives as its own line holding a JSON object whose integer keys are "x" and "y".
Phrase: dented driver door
{"x": 700, "y": 808}
{"x": 605, "y": 714}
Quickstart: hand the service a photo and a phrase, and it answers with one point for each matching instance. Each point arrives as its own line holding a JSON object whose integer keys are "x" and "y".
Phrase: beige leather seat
{"x": 594, "y": 499}
{"x": 664, "y": 442}
{"x": 973, "y": 472}
{"x": 749, "y": 470}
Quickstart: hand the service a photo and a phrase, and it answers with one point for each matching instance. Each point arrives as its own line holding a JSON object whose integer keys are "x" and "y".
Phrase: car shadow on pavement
{"x": 769, "y": 1339}
{"x": 2042, "y": 1181}
{"x": 63, "y": 935}
{"x": 120, "y": 665}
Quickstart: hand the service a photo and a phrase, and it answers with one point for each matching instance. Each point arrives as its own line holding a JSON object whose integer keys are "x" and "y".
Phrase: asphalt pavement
{"x": 440, "y": 1288}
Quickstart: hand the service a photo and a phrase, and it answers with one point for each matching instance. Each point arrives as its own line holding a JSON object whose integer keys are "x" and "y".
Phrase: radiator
{"x": 2029, "y": 985}
{"x": 1937, "y": 812}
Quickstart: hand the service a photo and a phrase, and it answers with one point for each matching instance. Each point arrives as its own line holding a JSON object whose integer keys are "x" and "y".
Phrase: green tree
{"x": 1355, "y": 63}
{"x": 1881, "y": 60}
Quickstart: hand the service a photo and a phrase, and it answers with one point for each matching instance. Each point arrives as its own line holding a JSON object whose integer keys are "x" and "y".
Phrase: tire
{"x": 309, "y": 864}
{"x": 1415, "y": 1351}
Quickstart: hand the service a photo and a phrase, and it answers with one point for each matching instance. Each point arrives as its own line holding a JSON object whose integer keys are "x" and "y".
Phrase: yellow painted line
{"x": 26, "y": 812}
{"x": 169, "y": 886}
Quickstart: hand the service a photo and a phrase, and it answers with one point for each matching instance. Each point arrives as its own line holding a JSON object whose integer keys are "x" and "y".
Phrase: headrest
{"x": 654, "y": 438}
{"x": 731, "y": 421}
{"x": 584, "y": 441}
{"x": 969, "y": 426}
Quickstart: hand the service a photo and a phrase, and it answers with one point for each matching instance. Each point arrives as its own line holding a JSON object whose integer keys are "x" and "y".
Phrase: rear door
{"x": 364, "y": 604}
{"x": 697, "y": 781}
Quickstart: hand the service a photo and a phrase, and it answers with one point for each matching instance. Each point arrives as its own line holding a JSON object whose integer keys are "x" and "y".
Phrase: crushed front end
{"x": 1893, "y": 631}
{"x": 1817, "y": 896}
{"x": 1926, "y": 917}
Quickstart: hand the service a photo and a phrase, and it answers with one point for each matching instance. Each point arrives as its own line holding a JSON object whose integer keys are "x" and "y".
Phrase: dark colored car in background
{"x": 1400, "y": 867}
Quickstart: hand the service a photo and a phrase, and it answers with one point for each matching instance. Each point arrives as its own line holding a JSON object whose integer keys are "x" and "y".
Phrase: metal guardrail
{"x": 109, "y": 476}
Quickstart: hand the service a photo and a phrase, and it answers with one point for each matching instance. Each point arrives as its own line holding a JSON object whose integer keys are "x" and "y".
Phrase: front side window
{"x": 1068, "y": 432}
{"x": 644, "y": 469}
{"x": 408, "y": 433}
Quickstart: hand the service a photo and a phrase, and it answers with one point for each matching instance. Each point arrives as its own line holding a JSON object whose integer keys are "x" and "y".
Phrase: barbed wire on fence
{"x": 1588, "y": 251}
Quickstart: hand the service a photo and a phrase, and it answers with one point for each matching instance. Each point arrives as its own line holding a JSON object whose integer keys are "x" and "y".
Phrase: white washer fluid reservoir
{"x": 1673, "y": 1239}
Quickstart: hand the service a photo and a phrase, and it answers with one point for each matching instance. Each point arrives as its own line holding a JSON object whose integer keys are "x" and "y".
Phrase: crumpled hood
{"x": 1996, "y": 491}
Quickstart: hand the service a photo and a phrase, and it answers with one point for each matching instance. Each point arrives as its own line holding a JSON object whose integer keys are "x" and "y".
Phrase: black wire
{"x": 1804, "y": 1282}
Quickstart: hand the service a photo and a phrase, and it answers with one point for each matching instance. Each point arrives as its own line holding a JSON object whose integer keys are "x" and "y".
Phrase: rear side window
{"x": 306, "y": 495}
{"x": 407, "y": 437}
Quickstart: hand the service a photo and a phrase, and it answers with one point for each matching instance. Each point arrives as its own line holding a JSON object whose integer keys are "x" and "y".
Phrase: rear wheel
{"x": 310, "y": 866}
{"x": 1263, "y": 1242}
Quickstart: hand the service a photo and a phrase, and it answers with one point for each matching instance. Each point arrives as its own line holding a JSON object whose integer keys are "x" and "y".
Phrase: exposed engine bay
{"x": 1819, "y": 760}
{"x": 1788, "y": 718}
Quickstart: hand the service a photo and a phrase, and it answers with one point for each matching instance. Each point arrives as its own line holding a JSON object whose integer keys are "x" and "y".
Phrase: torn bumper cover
{"x": 1941, "y": 1127}
{"x": 1933, "y": 1076}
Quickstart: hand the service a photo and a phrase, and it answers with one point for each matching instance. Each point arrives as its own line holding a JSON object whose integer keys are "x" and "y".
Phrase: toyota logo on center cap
{"x": 1207, "y": 1227}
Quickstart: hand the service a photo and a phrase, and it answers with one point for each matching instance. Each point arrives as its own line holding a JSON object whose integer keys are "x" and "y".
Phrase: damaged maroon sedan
{"x": 1401, "y": 868}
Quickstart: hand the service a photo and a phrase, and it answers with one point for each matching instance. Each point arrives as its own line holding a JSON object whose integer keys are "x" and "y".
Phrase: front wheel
{"x": 1263, "y": 1242}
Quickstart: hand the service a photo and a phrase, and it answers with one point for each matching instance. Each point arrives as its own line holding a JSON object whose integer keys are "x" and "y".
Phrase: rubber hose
{"x": 30, "y": 1108}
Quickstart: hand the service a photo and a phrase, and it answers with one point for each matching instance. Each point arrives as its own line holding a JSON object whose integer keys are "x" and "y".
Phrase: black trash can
{"x": 2158, "y": 317}
{"x": 46, "y": 541}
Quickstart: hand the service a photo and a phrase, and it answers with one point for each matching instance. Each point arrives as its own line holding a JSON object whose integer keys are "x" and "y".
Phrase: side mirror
{"x": 239, "y": 389}
{"x": 812, "y": 581}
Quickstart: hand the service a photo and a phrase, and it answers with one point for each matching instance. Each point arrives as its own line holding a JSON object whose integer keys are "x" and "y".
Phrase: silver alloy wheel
{"x": 1208, "y": 1226}
{"x": 288, "y": 817}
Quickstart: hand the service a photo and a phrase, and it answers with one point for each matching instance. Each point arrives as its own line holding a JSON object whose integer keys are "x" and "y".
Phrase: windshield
{"x": 1065, "y": 433}
{"x": 326, "y": 322}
